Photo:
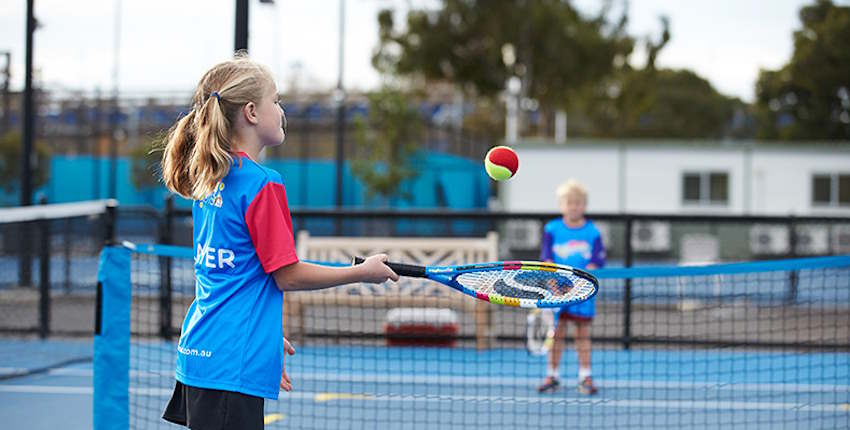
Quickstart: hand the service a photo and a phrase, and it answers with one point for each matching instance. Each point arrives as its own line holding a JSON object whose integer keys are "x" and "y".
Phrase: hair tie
{"x": 216, "y": 95}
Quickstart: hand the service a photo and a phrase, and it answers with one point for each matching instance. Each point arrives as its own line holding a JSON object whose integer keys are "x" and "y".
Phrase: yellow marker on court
{"x": 273, "y": 418}
{"x": 326, "y": 397}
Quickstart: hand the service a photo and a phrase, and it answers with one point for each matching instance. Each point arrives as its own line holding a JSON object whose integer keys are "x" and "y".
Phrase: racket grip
{"x": 400, "y": 269}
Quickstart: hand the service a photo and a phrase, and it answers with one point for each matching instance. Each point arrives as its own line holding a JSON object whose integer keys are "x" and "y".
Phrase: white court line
{"x": 502, "y": 381}
{"x": 538, "y": 400}
{"x": 606, "y": 383}
{"x": 45, "y": 389}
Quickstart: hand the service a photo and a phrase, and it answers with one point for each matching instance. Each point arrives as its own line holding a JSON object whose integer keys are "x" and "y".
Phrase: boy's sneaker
{"x": 586, "y": 387}
{"x": 549, "y": 384}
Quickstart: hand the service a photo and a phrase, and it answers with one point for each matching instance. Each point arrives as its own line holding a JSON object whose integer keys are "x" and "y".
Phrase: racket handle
{"x": 400, "y": 269}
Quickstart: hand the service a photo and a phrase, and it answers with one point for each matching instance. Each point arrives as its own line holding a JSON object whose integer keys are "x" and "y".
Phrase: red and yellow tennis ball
{"x": 501, "y": 163}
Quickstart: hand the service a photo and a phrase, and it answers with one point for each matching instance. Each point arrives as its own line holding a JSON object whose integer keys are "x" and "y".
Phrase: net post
{"x": 627, "y": 291}
{"x": 111, "y": 381}
{"x": 44, "y": 275}
{"x": 165, "y": 289}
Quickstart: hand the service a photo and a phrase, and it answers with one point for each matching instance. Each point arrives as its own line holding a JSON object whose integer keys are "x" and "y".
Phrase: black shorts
{"x": 208, "y": 409}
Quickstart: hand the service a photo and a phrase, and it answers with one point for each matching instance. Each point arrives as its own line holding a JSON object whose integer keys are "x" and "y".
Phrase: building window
{"x": 705, "y": 188}
{"x": 831, "y": 189}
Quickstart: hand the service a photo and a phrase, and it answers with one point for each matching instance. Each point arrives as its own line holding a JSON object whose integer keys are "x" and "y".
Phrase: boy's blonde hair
{"x": 198, "y": 147}
{"x": 571, "y": 186}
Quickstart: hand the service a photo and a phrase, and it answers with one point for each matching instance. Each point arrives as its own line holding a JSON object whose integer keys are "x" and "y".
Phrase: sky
{"x": 164, "y": 46}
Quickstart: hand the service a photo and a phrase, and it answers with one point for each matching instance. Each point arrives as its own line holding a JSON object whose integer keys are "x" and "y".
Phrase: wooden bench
{"x": 408, "y": 292}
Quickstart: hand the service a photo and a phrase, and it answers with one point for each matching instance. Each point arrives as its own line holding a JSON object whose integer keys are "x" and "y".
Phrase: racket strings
{"x": 528, "y": 284}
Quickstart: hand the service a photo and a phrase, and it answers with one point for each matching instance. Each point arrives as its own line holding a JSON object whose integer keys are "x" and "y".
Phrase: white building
{"x": 682, "y": 177}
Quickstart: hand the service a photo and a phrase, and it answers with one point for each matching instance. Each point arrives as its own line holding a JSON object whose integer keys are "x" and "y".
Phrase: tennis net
{"x": 680, "y": 347}
{"x": 48, "y": 260}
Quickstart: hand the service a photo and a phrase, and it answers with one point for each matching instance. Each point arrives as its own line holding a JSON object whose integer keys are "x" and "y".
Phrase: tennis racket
{"x": 527, "y": 284}
{"x": 540, "y": 331}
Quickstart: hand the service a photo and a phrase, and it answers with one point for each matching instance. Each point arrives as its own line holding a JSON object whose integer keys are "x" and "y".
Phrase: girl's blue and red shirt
{"x": 232, "y": 336}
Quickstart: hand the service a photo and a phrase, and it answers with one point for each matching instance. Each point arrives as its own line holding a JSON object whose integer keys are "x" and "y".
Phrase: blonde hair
{"x": 198, "y": 148}
{"x": 571, "y": 186}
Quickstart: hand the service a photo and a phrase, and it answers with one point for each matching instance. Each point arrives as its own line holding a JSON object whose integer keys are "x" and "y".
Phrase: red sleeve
{"x": 270, "y": 226}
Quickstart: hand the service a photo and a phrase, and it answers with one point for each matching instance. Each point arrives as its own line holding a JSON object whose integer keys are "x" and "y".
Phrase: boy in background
{"x": 572, "y": 240}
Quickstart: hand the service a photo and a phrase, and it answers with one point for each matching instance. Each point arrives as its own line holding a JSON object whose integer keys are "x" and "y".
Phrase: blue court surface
{"x": 416, "y": 387}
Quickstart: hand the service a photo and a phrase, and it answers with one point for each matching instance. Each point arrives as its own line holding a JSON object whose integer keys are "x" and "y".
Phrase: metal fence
{"x": 630, "y": 239}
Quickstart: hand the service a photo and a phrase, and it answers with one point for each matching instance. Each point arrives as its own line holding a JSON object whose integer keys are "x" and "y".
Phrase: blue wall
{"x": 444, "y": 180}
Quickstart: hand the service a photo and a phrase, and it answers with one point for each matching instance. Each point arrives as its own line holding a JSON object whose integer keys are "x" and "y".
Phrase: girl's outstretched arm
{"x": 307, "y": 276}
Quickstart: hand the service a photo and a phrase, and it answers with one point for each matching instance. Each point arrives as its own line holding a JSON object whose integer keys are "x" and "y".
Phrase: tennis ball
{"x": 501, "y": 163}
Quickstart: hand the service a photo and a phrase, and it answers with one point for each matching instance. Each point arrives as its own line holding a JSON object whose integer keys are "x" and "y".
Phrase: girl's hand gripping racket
{"x": 527, "y": 284}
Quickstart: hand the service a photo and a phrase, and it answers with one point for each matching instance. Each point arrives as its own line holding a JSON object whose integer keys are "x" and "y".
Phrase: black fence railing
{"x": 62, "y": 243}
{"x": 736, "y": 238}
{"x": 629, "y": 239}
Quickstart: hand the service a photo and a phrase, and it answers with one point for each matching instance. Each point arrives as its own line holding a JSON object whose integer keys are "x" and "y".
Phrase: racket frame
{"x": 447, "y": 275}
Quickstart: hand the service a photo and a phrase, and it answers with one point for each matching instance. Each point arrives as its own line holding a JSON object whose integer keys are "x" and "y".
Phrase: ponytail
{"x": 179, "y": 147}
{"x": 211, "y": 158}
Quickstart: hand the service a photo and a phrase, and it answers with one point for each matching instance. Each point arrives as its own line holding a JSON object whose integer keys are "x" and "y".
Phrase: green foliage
{"x": 809, "y": 98}
{"x": 660, "y": 103}
{"x": 486, "y": 120}
{"x": 387, "y": 142}
{"x": 10, "y": 162}
{"x": 145, "y": 162}
{"x": 557, "y": 50}
{"x": 565, "y": 61}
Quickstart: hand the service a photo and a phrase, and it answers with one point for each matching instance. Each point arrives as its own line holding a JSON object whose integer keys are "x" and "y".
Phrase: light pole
{"x": 512, "y": 110}
{"x": 241, "y": 33}
{"x": 339, "y": 99}
{"x": 24, "y": 269}
{"x": 513, "y": 85}
{"x": 28, "y": 111}
{"x": 7, "y": 105}
{"x": 117, "y": 133}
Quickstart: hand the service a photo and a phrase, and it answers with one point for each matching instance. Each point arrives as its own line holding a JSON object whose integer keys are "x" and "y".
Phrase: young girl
{"x": 230, "y": 353}
{"x": 574, "y": 241}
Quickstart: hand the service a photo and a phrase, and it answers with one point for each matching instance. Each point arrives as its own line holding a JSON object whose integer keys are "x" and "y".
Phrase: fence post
{"x": 165, "y": 232}
{"x": 44, "y": 280}
{"x": 793, "y": 276}
{"x": 627, "y": 291}
{"x": 66, "y": 250}
{"x": 25, "y": 241}
{"x": 109, "y": 222}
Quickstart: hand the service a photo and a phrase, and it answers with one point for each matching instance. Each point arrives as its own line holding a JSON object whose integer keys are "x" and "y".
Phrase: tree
{"x": 652, "y": 102}
{"x": 565, "y": 62}
{"x": 479, "y": 44}
{"x": 10, "y": 162}
{"x": 809, "y": 98}
{"x": 661, "y": 103}
{"x": 387, "y": 141}
{"x": 145, "y": 159}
